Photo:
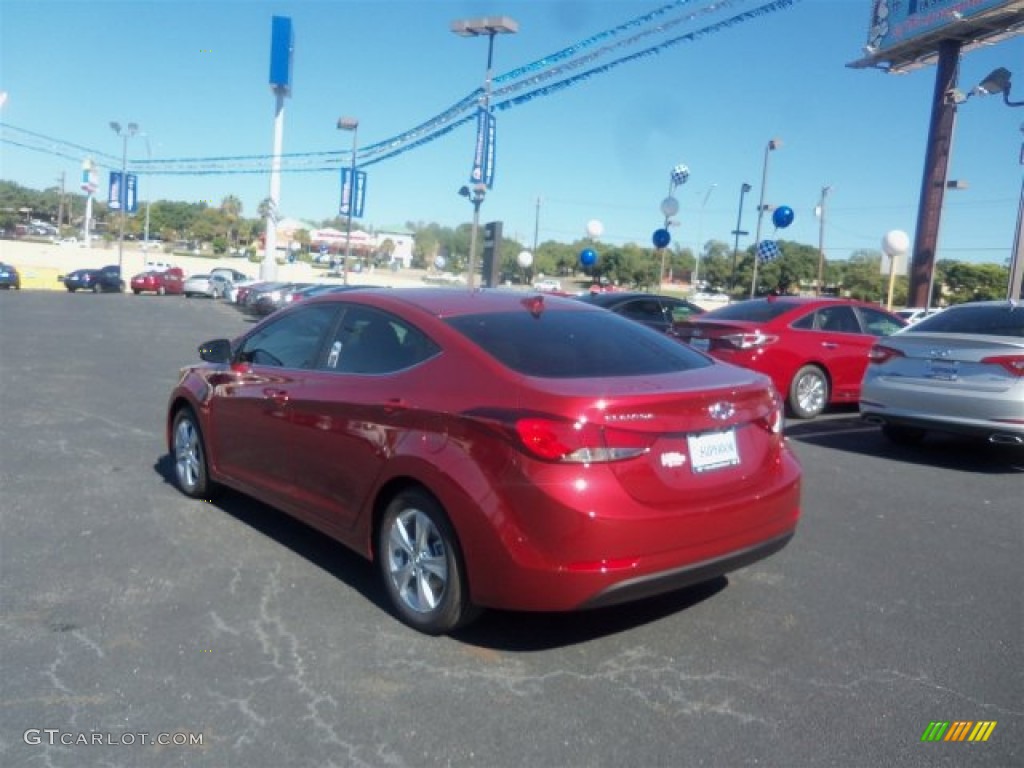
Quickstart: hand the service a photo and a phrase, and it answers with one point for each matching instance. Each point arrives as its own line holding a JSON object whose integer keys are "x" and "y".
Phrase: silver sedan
{"x": 214, "y": 286}
{"x": 959, "y": 371}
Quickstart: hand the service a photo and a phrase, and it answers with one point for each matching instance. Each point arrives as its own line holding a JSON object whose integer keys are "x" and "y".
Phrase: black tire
{"x": 70, "y": 289}
{"x": 421, "y": 565}
{"x": 808, "y": 392}
{"x": 136, "y": 292}
{"x": 188, "y": 452}
{"x": 900, "y": 435}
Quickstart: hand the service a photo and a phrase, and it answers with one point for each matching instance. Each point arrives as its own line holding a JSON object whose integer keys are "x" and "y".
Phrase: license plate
{"x": 946, "y": 370}
{"x": 713, "y": 450}
{"x": 702, "y": 344}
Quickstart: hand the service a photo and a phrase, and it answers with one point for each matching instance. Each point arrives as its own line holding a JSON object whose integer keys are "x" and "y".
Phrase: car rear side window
{"x": 996, "y": 320}
{"x": 372, "y": 342}
{"x": 568, "y": 344}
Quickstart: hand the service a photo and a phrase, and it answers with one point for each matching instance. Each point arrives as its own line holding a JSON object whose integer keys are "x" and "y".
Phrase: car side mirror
{"x": 215, "y": 351}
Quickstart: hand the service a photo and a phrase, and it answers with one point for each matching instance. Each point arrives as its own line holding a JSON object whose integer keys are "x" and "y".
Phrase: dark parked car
{"x": 81, "y": 279}
{"x": 658, "y": 312}
{"x": 108, "y": 279}
{"x": 9, "y": 277}
{"x": 814, "y": 350}
{"x": 492, "y": 449}
{"x": 271, "y": 301}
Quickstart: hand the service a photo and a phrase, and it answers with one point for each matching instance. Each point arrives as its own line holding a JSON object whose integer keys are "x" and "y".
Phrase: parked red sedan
{"x": 493, "y": 449}
{"x": 160, "y": 282}
{"x": 814, "y": 350}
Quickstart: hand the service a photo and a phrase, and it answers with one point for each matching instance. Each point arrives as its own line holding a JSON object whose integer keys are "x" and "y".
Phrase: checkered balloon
{"x": 768, "y": 250}
{"x": 680, "y": 174}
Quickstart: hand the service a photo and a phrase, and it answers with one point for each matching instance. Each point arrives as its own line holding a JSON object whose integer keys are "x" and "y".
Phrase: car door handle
{"x": 829, "y": 345}
{"x": 279, "y": 396}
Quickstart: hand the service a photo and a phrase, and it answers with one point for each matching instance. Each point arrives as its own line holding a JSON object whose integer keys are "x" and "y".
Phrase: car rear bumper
{"x": 581, "y": 560}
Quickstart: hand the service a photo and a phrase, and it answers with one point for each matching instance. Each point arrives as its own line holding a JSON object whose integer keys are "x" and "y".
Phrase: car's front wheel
{"x": 421, "y": 565}
{"x": 190, "y": 468}
{"x": 808, "y": 392}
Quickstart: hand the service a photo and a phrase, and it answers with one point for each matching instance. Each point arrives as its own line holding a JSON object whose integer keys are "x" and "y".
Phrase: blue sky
{"x": 194, "y": 78}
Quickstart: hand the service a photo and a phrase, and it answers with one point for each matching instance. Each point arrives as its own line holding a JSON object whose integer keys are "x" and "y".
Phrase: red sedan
{"x": 814, "y": 350}
{"x": 487, "y": 449}
{"x": 159, "y": 281}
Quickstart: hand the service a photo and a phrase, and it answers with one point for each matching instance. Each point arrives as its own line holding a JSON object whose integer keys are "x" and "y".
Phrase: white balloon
{"x": 439, "y": 262}
{"x": 895, "y": 242}
{"x": 525, "y": 259}
{"x": 669, "y": 206}
{"x": 594, "y": 228}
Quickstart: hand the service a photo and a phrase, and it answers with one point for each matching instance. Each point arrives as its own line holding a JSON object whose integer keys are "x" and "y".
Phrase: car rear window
{"x": 568, "y": 344}
{"x": 992, "y": 319}
{"x": 754, "y": 311}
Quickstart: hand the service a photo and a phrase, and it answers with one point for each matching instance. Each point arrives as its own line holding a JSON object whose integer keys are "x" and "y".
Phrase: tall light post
{"x": 350, "y": 124}
{"x": 125, "y": 133}
{"x": 772, "y": 145}
{"x": 737, "y": 232}
{"x": 700, "y": 237}
{"x": 489, "y": 26}
{"x": 821, "y": 239}
{"x": 149, "y": 197}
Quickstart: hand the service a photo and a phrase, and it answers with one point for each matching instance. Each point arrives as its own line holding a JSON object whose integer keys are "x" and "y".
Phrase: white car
{"x": 547, "y": 285}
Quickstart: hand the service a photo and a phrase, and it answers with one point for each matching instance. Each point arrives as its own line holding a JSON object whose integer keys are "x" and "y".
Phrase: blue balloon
{"x": 783, "y": 216}
{"x": 661, "y": 238}
{"x": 588, "y": 257}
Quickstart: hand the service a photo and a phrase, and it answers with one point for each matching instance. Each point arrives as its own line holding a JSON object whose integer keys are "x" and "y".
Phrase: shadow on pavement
{"x": 842, "y": 430}
{"x": 498, "y": 630}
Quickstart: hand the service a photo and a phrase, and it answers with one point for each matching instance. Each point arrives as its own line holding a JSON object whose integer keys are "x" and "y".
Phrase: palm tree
{"x": 231, "y": 207}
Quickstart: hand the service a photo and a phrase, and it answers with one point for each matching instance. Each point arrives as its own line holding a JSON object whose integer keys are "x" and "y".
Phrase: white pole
{"x": 268, "y": 269}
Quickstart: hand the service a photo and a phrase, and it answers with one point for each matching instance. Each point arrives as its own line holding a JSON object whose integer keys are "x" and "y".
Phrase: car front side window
{"x": 292, "y": 341}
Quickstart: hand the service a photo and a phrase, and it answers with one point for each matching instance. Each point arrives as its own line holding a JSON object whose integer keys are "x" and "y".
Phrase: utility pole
{"x": 60, "y": 202}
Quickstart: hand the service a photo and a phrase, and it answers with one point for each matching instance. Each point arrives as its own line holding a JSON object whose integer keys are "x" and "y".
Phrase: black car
{"x": 9, "y": 277}
{"x": 106, "y": 280}
{"x": 658, "y": 312}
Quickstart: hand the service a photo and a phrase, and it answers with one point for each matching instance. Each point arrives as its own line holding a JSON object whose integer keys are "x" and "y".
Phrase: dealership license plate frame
{"x": 943, "y": 370}
{"x": 710, "y": 451}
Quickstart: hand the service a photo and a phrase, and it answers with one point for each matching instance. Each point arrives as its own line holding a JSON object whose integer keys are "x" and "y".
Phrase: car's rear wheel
{"x": 903, "y": 435}
{"x": 421, "y": 565}
{"x": 808, "y": 392}
{"x": 190, "y": 467}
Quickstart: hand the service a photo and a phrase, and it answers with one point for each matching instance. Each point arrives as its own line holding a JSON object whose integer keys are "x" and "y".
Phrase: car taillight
{"x": 880, "y": 353}
{"x": 748, "y": 340}
{"x": 1012, "y": 363}
{"x": 578, "y": 442}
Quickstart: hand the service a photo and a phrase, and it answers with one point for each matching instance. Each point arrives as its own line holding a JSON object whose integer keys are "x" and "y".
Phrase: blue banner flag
{"x": 114, "y": 193}
{"x": 483, "y": 156}
{"x": 131, "y": 191}
{"x": 353, "y": 196}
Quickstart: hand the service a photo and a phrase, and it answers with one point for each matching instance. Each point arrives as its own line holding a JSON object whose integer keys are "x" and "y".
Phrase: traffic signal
{"x": 492, "y": 254}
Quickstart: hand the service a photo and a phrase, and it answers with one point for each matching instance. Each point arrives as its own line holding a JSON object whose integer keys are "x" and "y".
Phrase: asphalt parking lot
{"x": 130, "y": 612}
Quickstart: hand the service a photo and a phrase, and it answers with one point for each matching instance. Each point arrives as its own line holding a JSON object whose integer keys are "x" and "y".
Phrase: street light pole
{"x": 490, "y": 27}
{"x": 737, "y": 232}
{"x": 700, "y": 237}
{"x": 821, "y": 239}
{"x": 769, "y": 148}
{"x": 122, "y": 191}
{"x": 350, "y": 124}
